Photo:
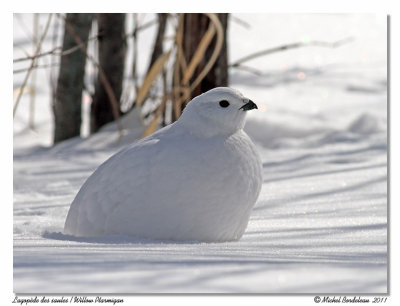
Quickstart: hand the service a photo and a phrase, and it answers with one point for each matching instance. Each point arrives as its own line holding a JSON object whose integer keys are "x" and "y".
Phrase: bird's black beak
{"x": 249, "y": 105}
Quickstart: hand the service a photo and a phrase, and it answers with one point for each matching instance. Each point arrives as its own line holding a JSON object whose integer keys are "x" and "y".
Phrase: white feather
{"x": 195, "y": 180}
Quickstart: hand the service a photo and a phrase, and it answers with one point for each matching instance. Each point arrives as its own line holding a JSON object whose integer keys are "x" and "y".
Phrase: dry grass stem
{"x": 154, "y": 72}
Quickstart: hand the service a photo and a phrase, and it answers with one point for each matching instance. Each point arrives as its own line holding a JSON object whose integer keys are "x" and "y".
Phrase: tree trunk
{"x": 112, "y": 48}
{"x": 218, "y": 76}
{"x": 68, "y": 97}
{"x": 195, "y": 26}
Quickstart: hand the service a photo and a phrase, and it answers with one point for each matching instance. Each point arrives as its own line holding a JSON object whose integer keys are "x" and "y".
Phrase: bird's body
{"x": 184, "y": 182}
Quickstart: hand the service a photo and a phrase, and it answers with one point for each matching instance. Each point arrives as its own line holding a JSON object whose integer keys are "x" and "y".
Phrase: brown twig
{"x": 54, "y": 51}
{"x": 39, "y": 45}
{"x": 291, "y": 46}
{"x": 77, "y": 47}
{"x": 36, "y": 66}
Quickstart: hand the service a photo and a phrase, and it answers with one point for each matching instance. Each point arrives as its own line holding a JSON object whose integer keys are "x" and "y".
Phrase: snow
{"x": 320, "y": 223}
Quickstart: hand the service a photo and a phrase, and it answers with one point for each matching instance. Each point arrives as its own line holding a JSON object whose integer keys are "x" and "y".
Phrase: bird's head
{"x": 219, "y": 111}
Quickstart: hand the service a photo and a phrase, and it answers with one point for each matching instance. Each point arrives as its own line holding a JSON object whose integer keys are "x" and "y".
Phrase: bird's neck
{"x": 199, "y": 129}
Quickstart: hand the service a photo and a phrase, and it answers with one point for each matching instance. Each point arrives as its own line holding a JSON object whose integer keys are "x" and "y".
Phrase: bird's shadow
{"x": 113, "y": 239}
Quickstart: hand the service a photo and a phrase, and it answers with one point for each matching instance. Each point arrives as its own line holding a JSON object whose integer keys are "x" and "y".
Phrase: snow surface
{"x": 320, "y": 223}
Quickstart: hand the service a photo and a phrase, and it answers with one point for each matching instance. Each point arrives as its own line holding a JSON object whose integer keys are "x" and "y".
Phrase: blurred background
{"x": 76, "y": 73}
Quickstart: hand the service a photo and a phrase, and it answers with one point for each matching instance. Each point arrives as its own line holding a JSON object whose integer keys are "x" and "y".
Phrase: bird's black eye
{"x": 223, "y": 103}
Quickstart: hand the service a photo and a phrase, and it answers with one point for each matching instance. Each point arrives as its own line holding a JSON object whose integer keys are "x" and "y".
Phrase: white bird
{"x": 194, "y": 180}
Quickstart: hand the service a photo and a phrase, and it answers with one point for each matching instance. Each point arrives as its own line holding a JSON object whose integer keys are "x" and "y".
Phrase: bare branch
{"x": 78, "y": 47}
{"x": 54, "y": 51}
{"x": 291, "y": 46}
{"x": 39, "y": 45}
{"x": 36, "y": 66}
{"x": 249, "y": 69}
{"x": 240, "y": 22}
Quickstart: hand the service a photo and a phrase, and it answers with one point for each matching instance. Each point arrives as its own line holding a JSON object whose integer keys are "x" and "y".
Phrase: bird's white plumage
{"x": 194, "y": 180}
